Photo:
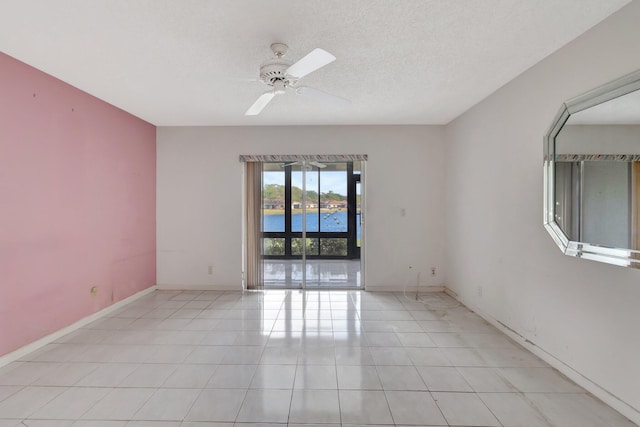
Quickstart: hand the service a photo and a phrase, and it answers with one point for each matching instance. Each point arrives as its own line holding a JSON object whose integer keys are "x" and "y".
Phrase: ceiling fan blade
{"x": 316, "y": 164}
{"x": 318, "y": 95}
{"x": 260, "y": 103}
{"x": 314, "y": 60}
{"x": 245, "y": 79}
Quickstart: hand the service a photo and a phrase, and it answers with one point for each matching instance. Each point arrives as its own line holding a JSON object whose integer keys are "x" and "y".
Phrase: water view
{"x": 328, "y": 222}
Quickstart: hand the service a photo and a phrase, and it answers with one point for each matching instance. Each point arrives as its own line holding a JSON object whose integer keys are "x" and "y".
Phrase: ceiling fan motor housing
{"x": 274, "y": 70}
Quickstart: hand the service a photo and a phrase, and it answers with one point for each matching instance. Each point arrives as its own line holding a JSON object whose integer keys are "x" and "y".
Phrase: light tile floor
{"x": 320, "y": 273}
{"x": 327, "y": 358}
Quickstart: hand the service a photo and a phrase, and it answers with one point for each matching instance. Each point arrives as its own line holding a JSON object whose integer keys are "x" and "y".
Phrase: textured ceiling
{"x": 182, "y": 62}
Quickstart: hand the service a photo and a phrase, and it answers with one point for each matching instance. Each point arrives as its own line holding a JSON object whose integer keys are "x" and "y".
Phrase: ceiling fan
{"x": 281, "y": 75}
{"x": 306, "y": 164}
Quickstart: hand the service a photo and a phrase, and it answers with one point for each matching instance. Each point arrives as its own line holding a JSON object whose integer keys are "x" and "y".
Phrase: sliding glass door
{"x": 311, "y": 224}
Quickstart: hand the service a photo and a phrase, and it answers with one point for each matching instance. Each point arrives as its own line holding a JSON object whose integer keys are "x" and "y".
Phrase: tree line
{"x": 276, "y": 192}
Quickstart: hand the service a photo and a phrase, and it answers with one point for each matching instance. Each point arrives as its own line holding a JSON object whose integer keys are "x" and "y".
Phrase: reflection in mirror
{"x": 592, "y": 162}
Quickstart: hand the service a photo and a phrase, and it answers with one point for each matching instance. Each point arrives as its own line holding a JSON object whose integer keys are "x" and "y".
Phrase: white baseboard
{"x": 235, "y": 287}
{"x": 607, "y": 397}
{"x": 23, "y": 351}
{"x": 391, "y": 288}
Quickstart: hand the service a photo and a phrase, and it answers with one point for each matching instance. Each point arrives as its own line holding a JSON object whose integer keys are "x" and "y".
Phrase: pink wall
{"x": 77, "y": 204}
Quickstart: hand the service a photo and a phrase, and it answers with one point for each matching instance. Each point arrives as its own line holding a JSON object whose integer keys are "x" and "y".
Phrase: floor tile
{"x": 390, "y": 356}
{"x": 207, "y": 354}
{"x": 316, "y": 377}
{"x": 216, "y": 405}
{"x": 576, "y": 410}
{"x": 131, "y": 354}
{"x": 119, "y": 404}
{"x": 423, "y": 314}
{"x": 207, "y": 424}
{"x": 539, "y": 380}
{"x": 437, "y": 326}
{"x": 510, "y": 357}
{"x": 358, "y": 378}
{"x": 27, "y": 401}
{"x": 170, "y": 354}
{"x": 190, "y": 376}
{"x": 280, "y": 356}
{"x": 314, "y": 406}
{"x": 8, "y": 390}
{"x": 463, "y": 356}
{"x": 110, "y": 323}
{"x": 353, "y": 356}
{"x": 512, "y": 409}
{"x": 55, "y": 353}
{"x": 317, "y": 356}
{"x": 464, "y": 409}
{"x": 354, "y": 338}
{"x": 211, "y": 359}
{"x": 444, "y": 339}
{"x": 23, "y": 373}
{"x": 242, "y": 355}
{"x": 274, "y": 376}
{"x": 271, "y": 406}
{"x": 220, "y": 338}
{"x": 486, "y": 380}
{"x": 412, "y": 339}
{"x": 148, "y": 423}
{"x": 443, "y": 379}
{"x": 46, "y": 423}
{"x": 414, "y": 408}
{"x": 231, "y": 376}
{"x": 427, "y": 357}
{"x": 108, "y": 375}
{"x": 168, "y": 404}
{"x": 92, "y": 423}
{"x": 301, "y": 425}
{"x": 383, "y": 339}
{"x": 251, "y": 338}
{"x": 71, "y": 403}
{"x": 400, "y": 378}
{"x": 494, "y": 340}
{"x": 149, "y": 375}
{"x": 65, "y": 374}
{"x": 364, "y": 407}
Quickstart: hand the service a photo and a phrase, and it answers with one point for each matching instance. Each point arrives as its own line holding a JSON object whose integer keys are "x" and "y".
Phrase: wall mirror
{"x": 592, "y": 174}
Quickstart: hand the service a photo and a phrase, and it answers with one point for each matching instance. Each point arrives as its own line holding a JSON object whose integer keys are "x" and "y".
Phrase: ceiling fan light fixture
{"x": 278, "y": 87}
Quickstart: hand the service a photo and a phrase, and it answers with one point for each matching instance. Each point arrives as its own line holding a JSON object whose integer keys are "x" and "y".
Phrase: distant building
{"x": 273, "y": 204}
{"x": 334, "y": 204}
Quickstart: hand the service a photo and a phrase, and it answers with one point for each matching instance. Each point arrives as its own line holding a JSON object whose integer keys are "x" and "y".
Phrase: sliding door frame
{"x": 351, "y": 204}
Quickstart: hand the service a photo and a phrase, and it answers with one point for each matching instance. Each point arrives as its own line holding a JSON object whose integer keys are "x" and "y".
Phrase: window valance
{"x": 302, "y": 157}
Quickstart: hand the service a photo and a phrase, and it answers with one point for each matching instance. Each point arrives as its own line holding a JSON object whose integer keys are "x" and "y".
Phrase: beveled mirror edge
{"x": 617, "y": 256}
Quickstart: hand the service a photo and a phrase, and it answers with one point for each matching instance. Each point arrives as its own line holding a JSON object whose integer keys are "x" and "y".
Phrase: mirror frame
{"x": 618, "y": 256}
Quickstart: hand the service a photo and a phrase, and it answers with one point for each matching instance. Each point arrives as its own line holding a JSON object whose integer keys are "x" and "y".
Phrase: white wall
{"x": 500, "y": 260}
{"x": 199, "y": 200}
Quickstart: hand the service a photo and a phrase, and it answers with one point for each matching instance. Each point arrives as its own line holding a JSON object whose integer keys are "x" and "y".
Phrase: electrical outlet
{"x": 94, "y": 291}
{"x": 479, "y": 291}
{"x": 433, "y": 271}
{"x": 210, "y": 270}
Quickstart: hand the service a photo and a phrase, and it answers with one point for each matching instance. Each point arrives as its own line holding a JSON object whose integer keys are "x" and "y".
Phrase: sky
{"x": 335, "y": 181}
